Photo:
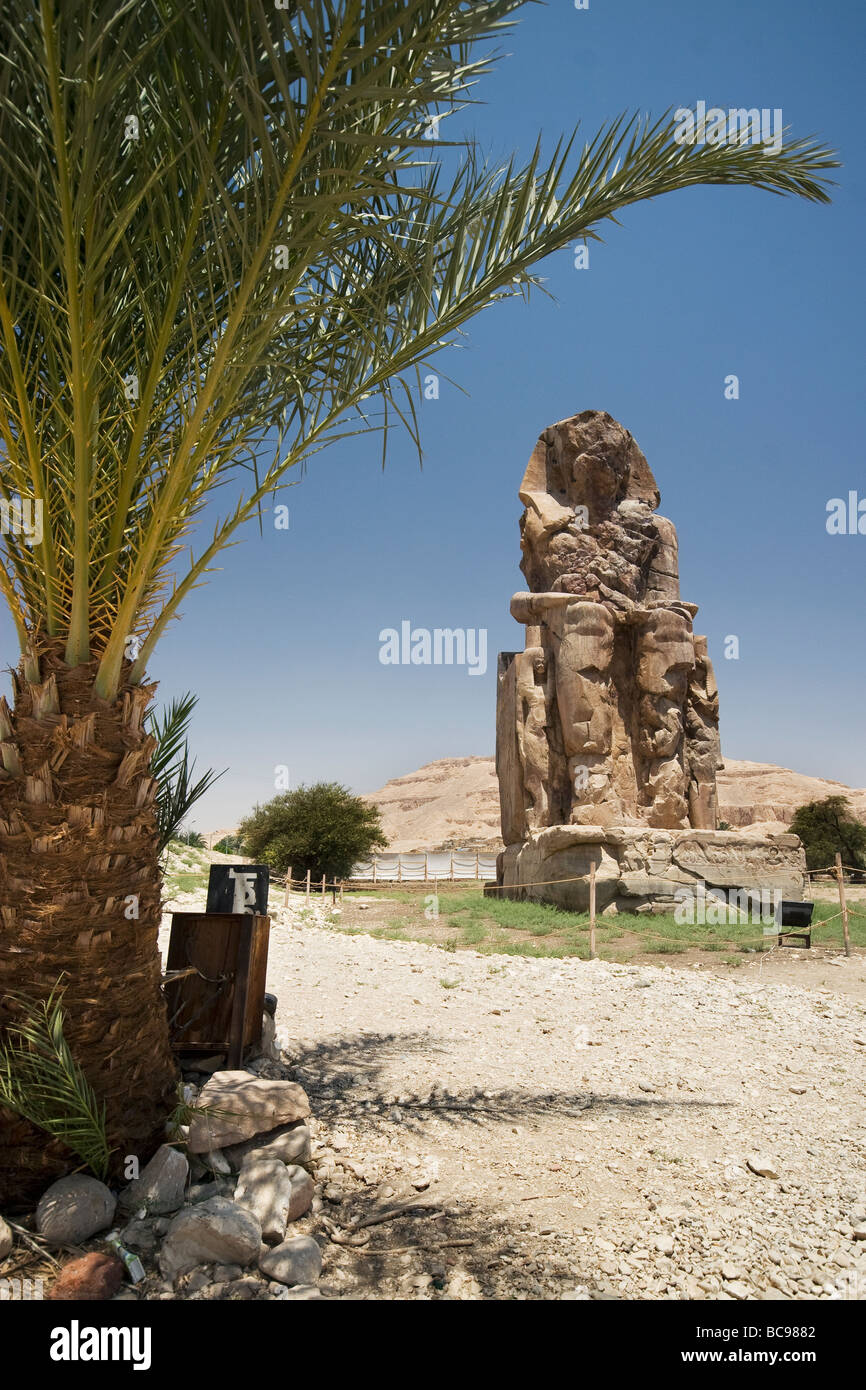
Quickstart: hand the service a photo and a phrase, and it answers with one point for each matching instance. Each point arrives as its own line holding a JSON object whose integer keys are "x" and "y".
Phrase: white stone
{"x": 265, "y": 1188}
{"x": 160, "y": 1185}
{"x": 73, "y": 1209}
{"x": 217, "y": 1231}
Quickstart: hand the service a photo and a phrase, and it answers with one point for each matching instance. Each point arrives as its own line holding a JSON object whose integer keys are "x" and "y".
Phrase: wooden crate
{"x": 217, "y": 1006}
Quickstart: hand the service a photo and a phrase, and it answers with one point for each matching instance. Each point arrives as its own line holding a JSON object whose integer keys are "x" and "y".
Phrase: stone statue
{"x": 614, "y": 708}
{"x": 607, "y": 724}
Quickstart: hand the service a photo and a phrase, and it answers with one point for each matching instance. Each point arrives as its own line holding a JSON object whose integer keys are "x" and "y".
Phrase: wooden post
{"x": 323, "y": 885}
{"x": 288, "y": 886}
{"x": 452, "y": 866}
{"x": 477, "y": 871}
{"x": 426, "y": 880}
{"x": 308, "y": 888}
{"x": 341, "y": 891}
{"x": 840, "y": 878}
{"x": 374, "y": 868}
{"x": 399, "y": 869}
{"x": 241, "y": 989}
{"x": 592, "y": 951}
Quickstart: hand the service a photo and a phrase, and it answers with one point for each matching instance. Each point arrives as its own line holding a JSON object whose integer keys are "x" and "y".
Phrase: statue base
{"x": 639, "y": 869}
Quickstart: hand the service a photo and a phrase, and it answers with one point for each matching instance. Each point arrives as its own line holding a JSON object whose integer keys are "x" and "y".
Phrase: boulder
{"x": 290, "y": 1143}
{"x": 303, "y": 1191}
{"x": 213, "y": 1232}
{"x": 92, "y": 1277}
{"x": 235, "y": 1106}
{"x": 265, "y": 1188}
{"x": 73, "y": 1209}
{"x": 295, "y": 1261}
{"x": 160, "y": 1185}
{"x": 7, "y": 1240}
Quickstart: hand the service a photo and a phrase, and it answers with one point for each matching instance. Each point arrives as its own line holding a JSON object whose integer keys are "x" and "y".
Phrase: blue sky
{"x": 282, "y": 647}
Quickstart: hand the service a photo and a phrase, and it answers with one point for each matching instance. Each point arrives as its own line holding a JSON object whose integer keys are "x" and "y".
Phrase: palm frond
{"x": 174, "y": 770}
{"x": 41, "y": 1081}
{"x": 225, "y": 236}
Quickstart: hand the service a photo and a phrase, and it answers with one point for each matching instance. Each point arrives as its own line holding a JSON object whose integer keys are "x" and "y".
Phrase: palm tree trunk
{"x": 80, "y": 898}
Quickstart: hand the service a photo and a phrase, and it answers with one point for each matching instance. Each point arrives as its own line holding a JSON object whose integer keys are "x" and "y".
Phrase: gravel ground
{"x": 575, "y": 1130}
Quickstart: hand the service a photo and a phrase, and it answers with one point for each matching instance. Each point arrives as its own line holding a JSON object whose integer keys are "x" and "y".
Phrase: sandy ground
{"x": 574, "y": 1130}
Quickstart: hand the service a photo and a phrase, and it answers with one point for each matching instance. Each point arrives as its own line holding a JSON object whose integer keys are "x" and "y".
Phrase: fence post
{"x": 374, "y": 868}
{"x": 399, "y": 869}
{"x": 840, "y": 879}
{"x": 308, "y": 888}
{"x": 477, "y": 870}
{"x": 452, "y": 866}
{"x": 426, "y": 880}
{"x": 592, "y": 953}
{"x": 323, "y": 885}
{"x": 288, "y": 886}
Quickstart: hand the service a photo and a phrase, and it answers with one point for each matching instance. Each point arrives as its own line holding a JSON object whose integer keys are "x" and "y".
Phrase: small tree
{"x": 828, "y": 828}
{"x": 323, "y": 828}
{"x": 229, "y": 844}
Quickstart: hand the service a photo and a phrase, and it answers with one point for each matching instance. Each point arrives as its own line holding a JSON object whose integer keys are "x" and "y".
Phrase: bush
{"x": 323, "y": 828}
{"x": 193, "y": 838}
{"x": 828, "y": 828}
{"x": 229, "y": 844}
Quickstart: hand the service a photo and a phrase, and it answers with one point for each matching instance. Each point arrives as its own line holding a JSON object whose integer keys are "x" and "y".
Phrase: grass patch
{"x": 499, "y": 926}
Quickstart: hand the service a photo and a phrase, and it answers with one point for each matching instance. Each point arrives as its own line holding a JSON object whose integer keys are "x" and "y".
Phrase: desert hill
{"x": 454, "y": 802}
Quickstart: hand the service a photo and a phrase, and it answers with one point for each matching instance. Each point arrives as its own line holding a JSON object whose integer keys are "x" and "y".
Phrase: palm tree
{"x": 226, "y": 240}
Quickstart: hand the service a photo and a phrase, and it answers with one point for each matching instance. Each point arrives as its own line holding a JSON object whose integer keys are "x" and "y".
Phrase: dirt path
{"x": 578, "y": 1129}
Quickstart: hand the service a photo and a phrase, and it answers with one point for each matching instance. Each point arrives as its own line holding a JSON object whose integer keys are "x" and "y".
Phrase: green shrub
{"x": 323, "y": 828}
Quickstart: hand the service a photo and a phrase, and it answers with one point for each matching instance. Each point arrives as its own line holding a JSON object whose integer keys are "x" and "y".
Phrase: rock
{"x": 226, "y": 1274}
{"x": 217, "y": 1231}
{"x": 762, "y": 1166}
{"x": 295, "y": 1261}
{"x": 303, "y": 1293}
{"x": 196, "y": 1280}
{"x": 7, "y": 1240}
{"x": 290, "y": 1143}
{"x": 160, "y": 1186}
{"x": 271, "y": 1004}
{"x": 303, "y": 1191}
{"x": 265, "y": 1188}
{"x": 859, "y": 1231}
{"x": 139, "y": 1236}
{"x": 204, "y": 1191}
{"x": 243, "y": 1290}
{"x": 665, "y": 1245}
{"x": 737, "y": 1289}
{"x": 73, "y": 1209}
{"x": 215, "y": 1161}
{"x": 90, "y": 1278}
{"x": 242, "y": 1106}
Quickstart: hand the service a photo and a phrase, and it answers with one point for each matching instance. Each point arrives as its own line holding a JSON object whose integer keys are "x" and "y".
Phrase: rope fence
{"x": 338, "y": 887}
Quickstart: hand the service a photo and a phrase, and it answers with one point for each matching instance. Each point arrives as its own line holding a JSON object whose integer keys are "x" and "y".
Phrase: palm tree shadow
{"x": 342, "y": 1077}
{"x": 450, "y": 1247}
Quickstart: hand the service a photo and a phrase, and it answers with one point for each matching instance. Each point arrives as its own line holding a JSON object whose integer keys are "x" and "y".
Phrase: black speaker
{"x": 791, "y": 914}
{"x": 238, "y": 888}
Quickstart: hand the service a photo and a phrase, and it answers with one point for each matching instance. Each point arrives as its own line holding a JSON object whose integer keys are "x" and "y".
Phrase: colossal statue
{"x": 610, "y": 715}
